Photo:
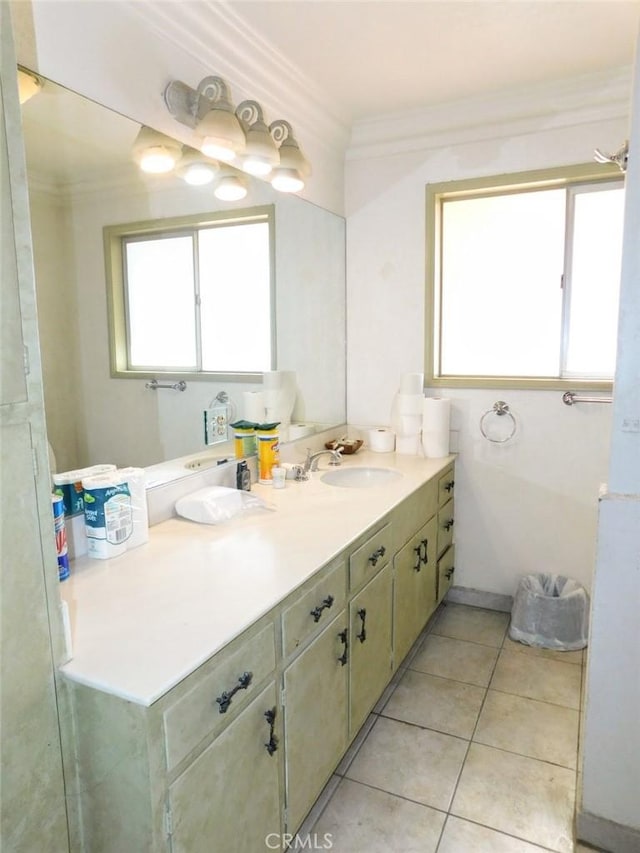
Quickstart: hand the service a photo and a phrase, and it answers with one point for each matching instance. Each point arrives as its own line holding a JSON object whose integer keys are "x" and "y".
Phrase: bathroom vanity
{"x": 221, "y": 672}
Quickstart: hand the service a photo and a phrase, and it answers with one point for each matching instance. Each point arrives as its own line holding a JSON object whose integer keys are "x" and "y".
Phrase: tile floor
{"x": 472, "y": 749}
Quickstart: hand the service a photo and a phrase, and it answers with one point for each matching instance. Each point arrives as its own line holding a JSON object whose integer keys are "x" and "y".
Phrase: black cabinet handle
{"x": 362, "y": 636}
{"x": 225, "y": 699}
{"x": 425, "y": 557}
{"x": 379, "y": 552}
{"x": 344, "y": 638}
{"x": 449, "y": 573}
{"x": 449, "y": 486}
{"x": 272, "y": 745}
{"x": 317, "y": 611}
{"x": 418, "y": 552}
{"x": 448, "y": 524}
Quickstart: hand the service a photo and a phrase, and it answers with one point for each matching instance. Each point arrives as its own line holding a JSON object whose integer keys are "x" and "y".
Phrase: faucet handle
{"x": 336, "y": 457}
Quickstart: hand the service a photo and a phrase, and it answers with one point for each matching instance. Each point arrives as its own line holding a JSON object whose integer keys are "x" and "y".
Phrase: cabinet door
{"x": 370, "y": 668}
{"x": 414, "y": 595}
{"x": 228, "y": 798}
{"x": 315, "y": 717}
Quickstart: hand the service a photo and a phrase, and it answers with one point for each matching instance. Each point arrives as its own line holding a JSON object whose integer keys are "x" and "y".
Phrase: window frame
{"x": 114, "y": 237}
{"x": 517, "y": 182}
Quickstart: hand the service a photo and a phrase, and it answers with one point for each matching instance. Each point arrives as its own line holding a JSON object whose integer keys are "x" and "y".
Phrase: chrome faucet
{"x": 311, "y": 462}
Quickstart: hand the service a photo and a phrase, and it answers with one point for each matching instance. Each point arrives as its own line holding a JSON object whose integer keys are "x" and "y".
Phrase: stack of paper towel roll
{"x": 435, "y": 426}
{"x": 406, "y": 413}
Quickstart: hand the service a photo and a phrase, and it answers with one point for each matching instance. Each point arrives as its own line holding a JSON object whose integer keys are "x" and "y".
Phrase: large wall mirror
{"x": 82, "y": 178}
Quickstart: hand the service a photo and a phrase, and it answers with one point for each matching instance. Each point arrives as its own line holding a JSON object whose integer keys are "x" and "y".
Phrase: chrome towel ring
{"x": 500, "y": 409}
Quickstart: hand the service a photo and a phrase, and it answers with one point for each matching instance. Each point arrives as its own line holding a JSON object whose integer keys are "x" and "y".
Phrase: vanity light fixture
{"x": 154, "y": 152}
{"x": 239, "y": 136}
{"x": 261, "y": 152}
{"x": 289, "y": 176}
{"x": 209, "y": 111}
{"x": 196, "y": 169}
{"x": 29, "y": 84}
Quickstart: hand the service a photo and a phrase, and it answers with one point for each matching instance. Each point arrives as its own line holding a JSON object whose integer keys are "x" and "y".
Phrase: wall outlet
{"x": 216, "y": 425}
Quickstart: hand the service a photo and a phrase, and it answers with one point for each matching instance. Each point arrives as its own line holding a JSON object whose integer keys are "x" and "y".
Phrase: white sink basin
{"x": 359, "y": 478}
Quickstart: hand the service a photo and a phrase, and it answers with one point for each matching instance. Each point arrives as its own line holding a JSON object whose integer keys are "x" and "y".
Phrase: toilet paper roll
{"x": 412, "y": 383}
{"x": 408, "y": 444}
{"x": 435, "y": 426}
{"x": 409, "y": 425}
{"x": 253, "y": 406}
{"x": 382, "y": 440}
{"x": 300, "y": 431}
{"x": 410, "y": 404}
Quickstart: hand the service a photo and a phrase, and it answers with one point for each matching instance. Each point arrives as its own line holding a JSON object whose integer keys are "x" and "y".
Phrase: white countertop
{"x": 145, "y": 620}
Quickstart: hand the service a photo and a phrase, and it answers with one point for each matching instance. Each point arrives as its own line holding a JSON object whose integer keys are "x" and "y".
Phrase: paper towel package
{"x": 435, "y": 426}
{"x": 108, "y": 515}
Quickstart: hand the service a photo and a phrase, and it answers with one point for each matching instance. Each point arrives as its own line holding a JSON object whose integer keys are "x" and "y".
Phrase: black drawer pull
{"x": 449, "y": 573}
{"x": 448, "y": 525}
{"x": 362, "y": 636}
{"x": 225, "y": 700}
{"x": 317, "y": 611}
{"x": 379, "y": 552}
{"x": 272, "y": 745}
{"x": 425, "y": 557}
{"x": 418, "y": 552}
{"x": 449, "y": 486}
{"x": 344, "y": 638}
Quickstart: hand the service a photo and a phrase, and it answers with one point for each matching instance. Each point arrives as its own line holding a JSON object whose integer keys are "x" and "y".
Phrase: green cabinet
{"x": 315, "y": 699}
{"x": 236, "y": 776}
{"x": 414, "y": 597}
{"x": 370, "y": 613}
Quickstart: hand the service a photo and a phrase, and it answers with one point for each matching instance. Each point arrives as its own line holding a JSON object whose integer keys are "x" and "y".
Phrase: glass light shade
{"x": 157, "y": 160}
{"x": 155, "y": 152}
{"x": 222, "y": 136}
{"x": 261, "y": 151}
{"x": 199, "y": 174}
{"x": 196, "y": 169}
{"x": 287, "y": 180}
{"x": 230, "y": 188}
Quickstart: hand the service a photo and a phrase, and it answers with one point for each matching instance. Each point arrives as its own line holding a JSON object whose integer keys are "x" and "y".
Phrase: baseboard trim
{"x": 606, "y": 834}
{"x": 480, "y": 598}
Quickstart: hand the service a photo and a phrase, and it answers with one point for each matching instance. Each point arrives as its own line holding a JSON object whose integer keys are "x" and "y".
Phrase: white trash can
{"x": 550, "y": 611}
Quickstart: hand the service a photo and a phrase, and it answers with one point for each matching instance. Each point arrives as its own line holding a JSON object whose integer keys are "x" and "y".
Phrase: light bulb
{"x": 157, "y": 160}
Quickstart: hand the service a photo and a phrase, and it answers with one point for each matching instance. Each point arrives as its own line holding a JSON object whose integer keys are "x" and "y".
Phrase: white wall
{"x": 530, "y": 505}
{"x": 57, "y": 323}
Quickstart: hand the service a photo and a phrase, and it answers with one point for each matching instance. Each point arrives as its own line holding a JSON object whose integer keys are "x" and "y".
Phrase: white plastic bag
{"x": 216, "y": 504}
{"x": 550, "y": 611}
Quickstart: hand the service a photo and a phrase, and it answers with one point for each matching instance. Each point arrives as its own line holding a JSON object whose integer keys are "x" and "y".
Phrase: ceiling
{"x": 373, "y": 57}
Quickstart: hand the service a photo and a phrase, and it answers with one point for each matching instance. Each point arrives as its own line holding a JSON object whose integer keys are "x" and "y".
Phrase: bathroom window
{"x": 523, "y": 276}
{"x": 183, "y": 293}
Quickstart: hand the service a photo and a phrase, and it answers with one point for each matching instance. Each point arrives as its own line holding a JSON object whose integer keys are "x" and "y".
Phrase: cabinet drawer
{"x": 445, "y": 526}
{"x": 446, "y": 569}
{"x": 315, "y": 608}
{"x": 446, "y": 484}
{"x": 198, "y": 713}
{"x": 415, "y": 511}
{"x": 370, "y": 556}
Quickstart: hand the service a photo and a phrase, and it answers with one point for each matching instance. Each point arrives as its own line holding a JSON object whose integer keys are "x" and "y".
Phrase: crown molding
{"x": 219, "y": 40}
{"x": 565, "y": 103}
